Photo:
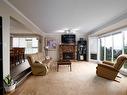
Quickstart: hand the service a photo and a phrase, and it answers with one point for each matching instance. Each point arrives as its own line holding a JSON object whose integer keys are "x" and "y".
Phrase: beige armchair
{"x": 110, "y": 70}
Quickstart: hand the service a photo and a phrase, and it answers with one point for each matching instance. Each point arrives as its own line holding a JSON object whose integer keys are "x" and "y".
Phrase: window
{"x": 111, "y": 47}
{"x": 30, "y": 44}
{"x": 93, "y": 48}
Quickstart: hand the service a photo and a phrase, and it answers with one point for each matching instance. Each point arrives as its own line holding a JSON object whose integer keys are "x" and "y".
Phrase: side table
{"x": 63, "y": 62}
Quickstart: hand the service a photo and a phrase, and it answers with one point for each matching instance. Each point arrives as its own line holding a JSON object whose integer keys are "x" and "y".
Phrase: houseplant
{"x": 9, "y": 83}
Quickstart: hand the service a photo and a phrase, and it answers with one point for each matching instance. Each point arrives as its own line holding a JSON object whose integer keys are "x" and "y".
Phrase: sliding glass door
{"x": 125, "y": 47}
{"x": 111, "y": 47}
{"x": 108, "y": 46}
{"x": 117, "y": 45}
{"x": 102, "y": 48}
{"x": 125, "y": 42}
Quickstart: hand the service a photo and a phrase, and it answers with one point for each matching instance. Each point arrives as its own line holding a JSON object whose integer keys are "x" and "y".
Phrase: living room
{"x": 103, "y": 28}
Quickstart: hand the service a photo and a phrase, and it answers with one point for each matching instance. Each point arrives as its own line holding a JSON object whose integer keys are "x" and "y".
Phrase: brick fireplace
{"x": 67, "y": 51}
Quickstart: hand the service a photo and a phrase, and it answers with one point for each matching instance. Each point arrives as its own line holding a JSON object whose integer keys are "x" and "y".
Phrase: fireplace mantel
{"x": 69, "y": 49}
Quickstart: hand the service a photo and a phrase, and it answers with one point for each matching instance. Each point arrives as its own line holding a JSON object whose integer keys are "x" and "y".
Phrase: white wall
{"x": 6, "y": 45}
{"x": 6, "y": 38}
{"x": 115, "y": 25}
{"x": 15, "y": 13}
{"x": 6, "y": 12}
{"x": 55, "y": 53}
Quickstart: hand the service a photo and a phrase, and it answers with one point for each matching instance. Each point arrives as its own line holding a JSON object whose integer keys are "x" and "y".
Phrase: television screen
{"x": 68, "y": 38}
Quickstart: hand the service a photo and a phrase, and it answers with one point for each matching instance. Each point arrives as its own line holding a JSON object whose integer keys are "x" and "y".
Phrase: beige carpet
{"x": 81, "y": 81}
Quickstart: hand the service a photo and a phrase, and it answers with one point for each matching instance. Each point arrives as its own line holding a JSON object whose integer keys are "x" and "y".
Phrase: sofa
{"x": 40, "y": 64}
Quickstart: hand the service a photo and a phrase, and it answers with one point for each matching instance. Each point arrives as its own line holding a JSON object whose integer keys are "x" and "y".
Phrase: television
{"x": 68, "y": 38}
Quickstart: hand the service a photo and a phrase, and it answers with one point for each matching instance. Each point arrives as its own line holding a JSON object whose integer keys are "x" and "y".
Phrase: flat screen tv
{"x": 68, "y": 38}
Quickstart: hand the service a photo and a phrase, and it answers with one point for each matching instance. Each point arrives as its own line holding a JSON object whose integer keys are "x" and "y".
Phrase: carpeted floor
{"x": 81, "y": 81}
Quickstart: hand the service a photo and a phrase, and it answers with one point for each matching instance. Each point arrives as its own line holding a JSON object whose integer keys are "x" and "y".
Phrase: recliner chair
{"x": 110, "y": 70}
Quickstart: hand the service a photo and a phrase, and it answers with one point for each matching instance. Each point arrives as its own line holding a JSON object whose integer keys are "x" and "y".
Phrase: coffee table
{"x": 63, "y": 62}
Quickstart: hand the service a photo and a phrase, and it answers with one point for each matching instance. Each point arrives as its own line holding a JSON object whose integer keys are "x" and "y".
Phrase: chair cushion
{"x": 41, "y": 56}
{"x": 36, "y": 61}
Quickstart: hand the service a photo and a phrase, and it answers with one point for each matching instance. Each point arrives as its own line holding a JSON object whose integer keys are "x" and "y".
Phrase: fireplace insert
{"x": 68, "y": 56}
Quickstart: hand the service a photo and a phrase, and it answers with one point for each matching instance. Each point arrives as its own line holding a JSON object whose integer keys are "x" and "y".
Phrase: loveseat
{"x": 40, "y": 64}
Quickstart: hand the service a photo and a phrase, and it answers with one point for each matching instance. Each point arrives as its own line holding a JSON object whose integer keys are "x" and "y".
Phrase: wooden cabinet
{"x": 1, "y": 58}
{"x": 67, "y": 51}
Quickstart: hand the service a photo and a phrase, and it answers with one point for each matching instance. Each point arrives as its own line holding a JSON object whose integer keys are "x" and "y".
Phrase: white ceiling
{"x": 85, "y": 15}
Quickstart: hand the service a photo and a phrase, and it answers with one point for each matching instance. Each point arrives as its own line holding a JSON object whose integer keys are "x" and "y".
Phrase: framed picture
{"x": 51, "y": 43}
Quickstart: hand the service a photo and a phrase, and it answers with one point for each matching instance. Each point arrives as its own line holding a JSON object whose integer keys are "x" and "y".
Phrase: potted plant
{"x": 9, "y": 83}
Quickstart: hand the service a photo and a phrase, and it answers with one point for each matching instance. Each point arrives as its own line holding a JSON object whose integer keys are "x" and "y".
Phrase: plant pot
{"x": 10, "y": 88}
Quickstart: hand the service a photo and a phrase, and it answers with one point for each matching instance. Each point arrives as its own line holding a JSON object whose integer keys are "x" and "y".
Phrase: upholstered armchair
{"x": 110, "y": 70}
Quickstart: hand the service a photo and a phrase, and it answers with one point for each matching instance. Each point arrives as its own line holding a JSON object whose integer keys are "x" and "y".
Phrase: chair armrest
{"x": 39, "y": 69}
{"x": 108, "y": 63}
{"x": 107, "y": 66}
{"x": 38, "y": 65}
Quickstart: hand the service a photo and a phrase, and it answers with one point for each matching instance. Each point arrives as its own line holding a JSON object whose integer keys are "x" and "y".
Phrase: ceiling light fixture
{"x": 67, "y": 30}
